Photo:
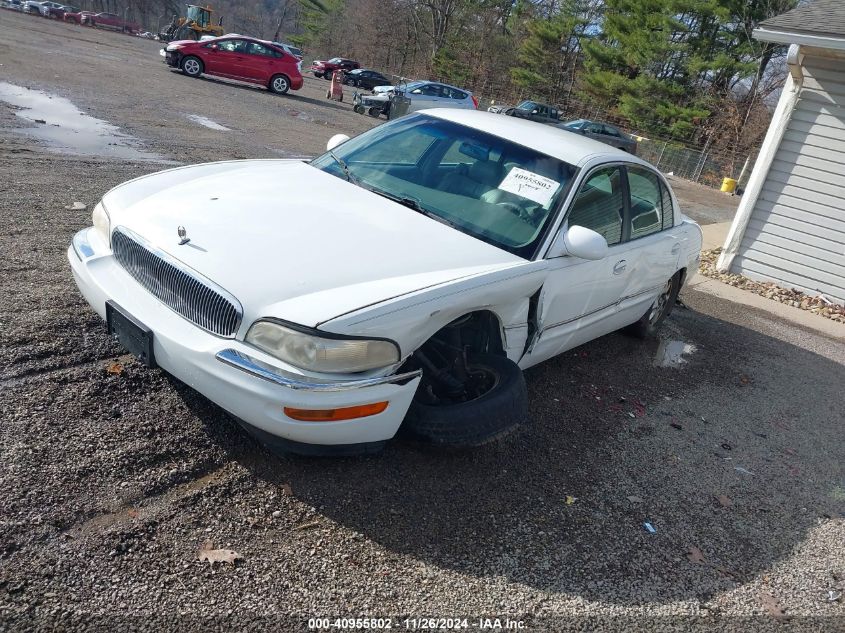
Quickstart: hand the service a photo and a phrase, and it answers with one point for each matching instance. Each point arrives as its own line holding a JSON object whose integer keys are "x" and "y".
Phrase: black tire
{"x": 374, "y": 112}
{"x": 280, "y": 84}
{"x": 327, "y": 76}
{"x": 650, "y": 322}
{"x": 359, "y": 109}
{"x": 490, "y": 416}
{"x": 191, "y": 66}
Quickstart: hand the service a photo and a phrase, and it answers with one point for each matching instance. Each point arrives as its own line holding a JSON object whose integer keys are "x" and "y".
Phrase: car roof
{"x": 554, "y": 141}
{"x": 439, "y": 83}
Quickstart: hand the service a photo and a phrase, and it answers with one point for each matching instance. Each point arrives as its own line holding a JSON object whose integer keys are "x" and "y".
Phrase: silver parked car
{"x": 603, "y": 132}
{"x": 420, "y": 95}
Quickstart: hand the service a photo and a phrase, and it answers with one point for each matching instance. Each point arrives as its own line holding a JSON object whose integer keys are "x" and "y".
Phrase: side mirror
{"x": 214, "y": 47}
{"x": 534, "y": 111}
{"x": 579, "y": 241}
{"x": 336, "y": 140}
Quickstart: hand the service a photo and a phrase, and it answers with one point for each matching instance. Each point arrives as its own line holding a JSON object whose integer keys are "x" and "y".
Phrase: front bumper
{"x": 244, "y": 381}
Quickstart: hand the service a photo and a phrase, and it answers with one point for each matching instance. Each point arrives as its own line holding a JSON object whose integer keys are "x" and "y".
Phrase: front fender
{"x": 411, "y": 320}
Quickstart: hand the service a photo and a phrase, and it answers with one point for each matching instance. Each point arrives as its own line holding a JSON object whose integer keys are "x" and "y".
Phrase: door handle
{"x": 676, "y": 248}
{"x": 619, "y": 267}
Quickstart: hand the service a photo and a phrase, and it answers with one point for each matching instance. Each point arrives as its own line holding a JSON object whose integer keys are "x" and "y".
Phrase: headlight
{"x": 318, "y": 353}
{"x": 101, "y": 221}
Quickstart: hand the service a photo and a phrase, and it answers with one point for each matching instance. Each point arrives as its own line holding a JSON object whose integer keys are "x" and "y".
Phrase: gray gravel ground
{"x": 110, "y": 483}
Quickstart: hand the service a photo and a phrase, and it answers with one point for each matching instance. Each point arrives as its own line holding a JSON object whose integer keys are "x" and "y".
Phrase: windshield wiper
{"x": 412, "y": 203}
{"x": 344, "y": 167}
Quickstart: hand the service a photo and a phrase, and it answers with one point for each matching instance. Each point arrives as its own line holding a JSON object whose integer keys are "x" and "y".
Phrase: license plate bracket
{"x": 133, "y": 335}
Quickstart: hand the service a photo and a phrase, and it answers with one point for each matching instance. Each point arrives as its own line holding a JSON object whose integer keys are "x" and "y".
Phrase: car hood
{"x": 294, "y": 242}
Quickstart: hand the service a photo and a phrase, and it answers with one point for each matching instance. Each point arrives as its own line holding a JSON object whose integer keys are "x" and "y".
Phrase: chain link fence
{"x": 698, "y": 165}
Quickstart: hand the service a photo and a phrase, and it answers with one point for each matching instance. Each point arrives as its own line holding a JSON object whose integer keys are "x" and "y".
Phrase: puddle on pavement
{"x": 671, "y": 353}
{"x": 65, "y": 129}
{"x": 206, "y": 122}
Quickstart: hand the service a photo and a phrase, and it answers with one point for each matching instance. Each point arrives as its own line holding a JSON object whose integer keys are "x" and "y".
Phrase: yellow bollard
{"x": 728, "y": 185}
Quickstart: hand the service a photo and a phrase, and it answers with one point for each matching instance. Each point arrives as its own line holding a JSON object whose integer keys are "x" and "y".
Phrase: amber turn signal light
{"x": 335, "y": 415}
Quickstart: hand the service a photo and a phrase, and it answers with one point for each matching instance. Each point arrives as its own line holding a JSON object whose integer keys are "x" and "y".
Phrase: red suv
{"x": 325, "y": 69}
{"x": 109, "y": 21}
{"x": 241, "y": 58}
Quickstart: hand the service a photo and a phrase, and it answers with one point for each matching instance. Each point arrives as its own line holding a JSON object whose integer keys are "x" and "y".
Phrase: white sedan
{"x": 400, "y": 282}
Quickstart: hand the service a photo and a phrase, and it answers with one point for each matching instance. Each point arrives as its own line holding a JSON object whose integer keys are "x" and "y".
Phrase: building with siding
{"x": 790, "y": 225}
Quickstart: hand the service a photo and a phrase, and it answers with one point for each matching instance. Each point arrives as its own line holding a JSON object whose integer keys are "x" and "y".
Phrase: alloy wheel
{"x": 659, "y": 305}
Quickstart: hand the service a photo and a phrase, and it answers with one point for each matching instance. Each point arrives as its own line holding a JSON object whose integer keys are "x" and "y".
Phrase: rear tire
{"x": 483, "y": 419}
{"x": 280, "y": 85}
{"x": 192, "y": 66}
{"x": 650, "y": 322}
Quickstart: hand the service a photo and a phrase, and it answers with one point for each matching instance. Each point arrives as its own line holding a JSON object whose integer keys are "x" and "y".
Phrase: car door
{"x": 654, "y": 243}
{"x": 540, "y": 113}
{"x": 594, "y": 130}
{"x": 578, "y": 301}
{"x": 227, "y": 58}
{"x": 425, "y": 96}
{"x": 258, "y": 63}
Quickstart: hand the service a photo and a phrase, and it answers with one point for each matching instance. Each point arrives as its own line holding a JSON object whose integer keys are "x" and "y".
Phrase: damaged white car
{"x": 398, "y": 283}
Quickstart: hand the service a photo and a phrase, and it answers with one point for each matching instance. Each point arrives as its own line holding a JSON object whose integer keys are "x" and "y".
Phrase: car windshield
{"x": 527, "y": 105}
{"x": 577, "y": 124}
{"x": 483, "y": 185}
{"x": 413, "y": 85}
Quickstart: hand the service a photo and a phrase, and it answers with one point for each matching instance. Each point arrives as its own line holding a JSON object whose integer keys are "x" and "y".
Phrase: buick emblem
{"x": 183, "y": 236}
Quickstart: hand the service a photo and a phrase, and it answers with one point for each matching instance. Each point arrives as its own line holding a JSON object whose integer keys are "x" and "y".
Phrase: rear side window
{"x": 259, "y": 49}
{"x": 646, "y": 202}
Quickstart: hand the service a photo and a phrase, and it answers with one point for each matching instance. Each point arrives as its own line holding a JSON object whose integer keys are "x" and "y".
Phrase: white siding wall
{"x": 796, "y": 233}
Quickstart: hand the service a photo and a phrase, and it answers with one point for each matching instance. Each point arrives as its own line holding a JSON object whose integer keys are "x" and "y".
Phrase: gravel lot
{"x": 111, "y": 482}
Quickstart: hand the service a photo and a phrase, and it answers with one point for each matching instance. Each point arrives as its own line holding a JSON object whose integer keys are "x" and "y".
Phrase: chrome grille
{"x": 184, "y": 291}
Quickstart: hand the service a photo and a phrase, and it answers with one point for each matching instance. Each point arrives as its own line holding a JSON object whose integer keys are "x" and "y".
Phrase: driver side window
{"x": 600, "y": 205}
{"x": 232, "y": 46}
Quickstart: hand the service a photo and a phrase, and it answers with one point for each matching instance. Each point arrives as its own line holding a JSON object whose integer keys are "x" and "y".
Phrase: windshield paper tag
{"x": 529, "y": 185}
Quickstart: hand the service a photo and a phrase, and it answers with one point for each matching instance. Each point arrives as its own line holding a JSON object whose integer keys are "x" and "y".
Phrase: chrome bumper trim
{"x": 261, "y": 370}
{"x": 81, "y": 246}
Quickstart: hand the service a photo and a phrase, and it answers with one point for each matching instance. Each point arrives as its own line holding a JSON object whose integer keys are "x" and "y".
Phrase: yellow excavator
{"x": 195, "y": 24}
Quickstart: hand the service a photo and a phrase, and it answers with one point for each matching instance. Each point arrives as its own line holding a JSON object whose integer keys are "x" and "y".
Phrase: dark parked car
{"x": 540, "y": 112}
{"x": 325, "y": 69}
{"x": 602, "y": 132}
{"x": 363, "y": 78}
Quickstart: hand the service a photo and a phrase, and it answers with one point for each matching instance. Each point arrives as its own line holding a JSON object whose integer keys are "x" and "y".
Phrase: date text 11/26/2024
{"x": 417, "y": 624}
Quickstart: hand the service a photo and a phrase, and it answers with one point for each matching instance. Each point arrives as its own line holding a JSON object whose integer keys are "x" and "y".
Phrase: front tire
{"x": 192, "y": 66}
{"x": 497, "y": 407}
{"x": 650, "y": 322}
{"x": 280, "y": 85}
